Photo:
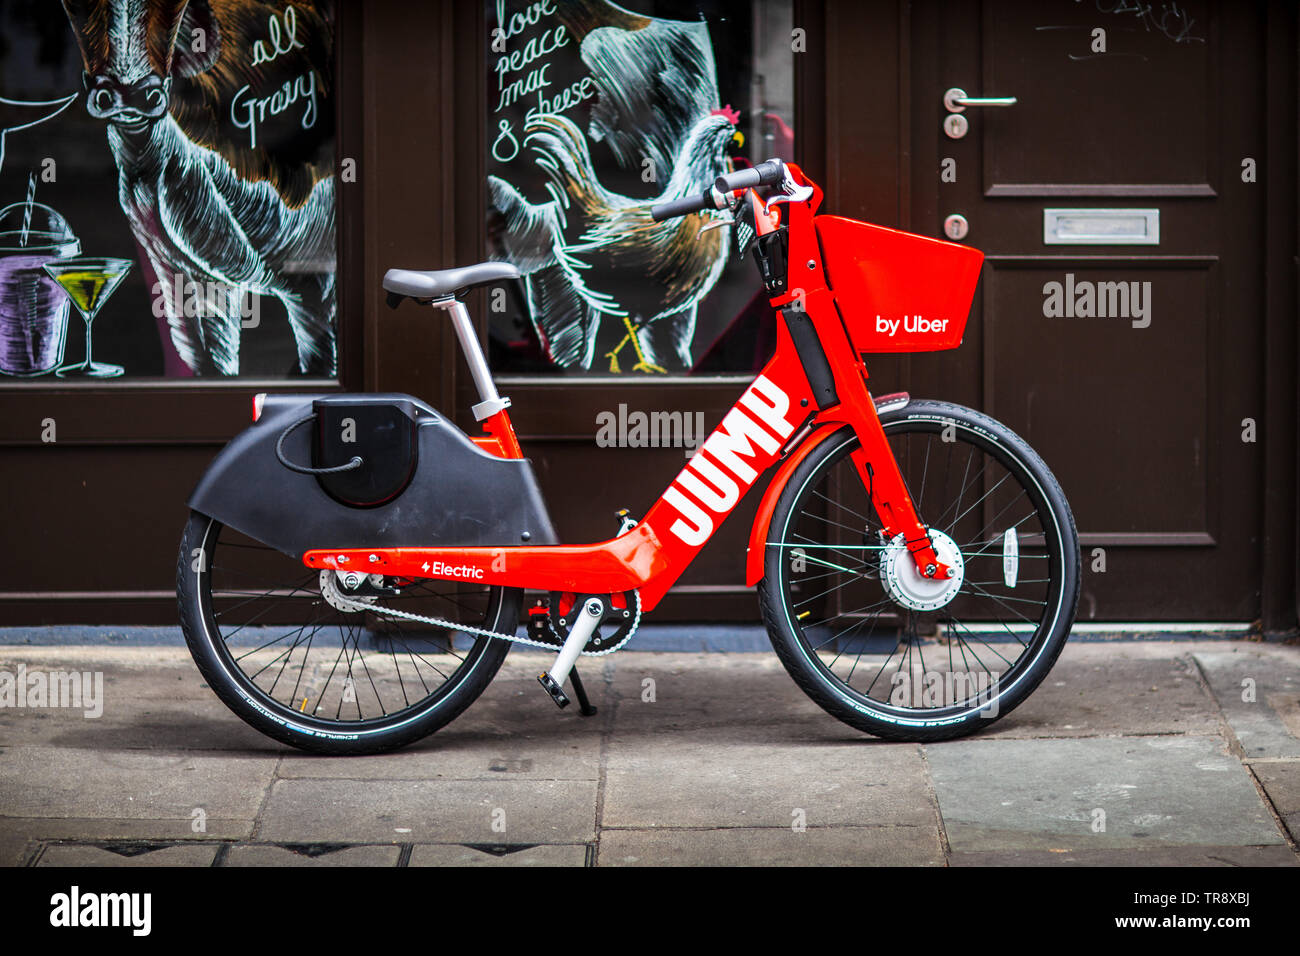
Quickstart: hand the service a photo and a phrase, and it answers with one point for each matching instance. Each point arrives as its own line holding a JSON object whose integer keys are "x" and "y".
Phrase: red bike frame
{"x": 777, "y": 419}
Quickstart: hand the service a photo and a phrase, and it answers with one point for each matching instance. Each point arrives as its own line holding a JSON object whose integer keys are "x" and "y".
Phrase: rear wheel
{"x": 888, "y": 651}
{"x": 283, "y": 652}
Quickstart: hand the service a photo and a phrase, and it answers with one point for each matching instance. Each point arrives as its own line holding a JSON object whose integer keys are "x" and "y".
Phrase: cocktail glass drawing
{"x": 88, "y": 282}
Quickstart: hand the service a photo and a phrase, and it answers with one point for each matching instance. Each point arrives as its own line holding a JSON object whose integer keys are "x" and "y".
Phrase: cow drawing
{"x": 225, "y": 220}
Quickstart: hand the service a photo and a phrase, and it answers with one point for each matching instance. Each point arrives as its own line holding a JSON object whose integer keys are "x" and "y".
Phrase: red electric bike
{"x": 354, "y": 567}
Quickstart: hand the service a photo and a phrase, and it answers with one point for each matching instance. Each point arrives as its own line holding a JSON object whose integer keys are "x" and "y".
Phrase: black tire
{"x": 390, "y": 663}
{"x": 802, "y": 519}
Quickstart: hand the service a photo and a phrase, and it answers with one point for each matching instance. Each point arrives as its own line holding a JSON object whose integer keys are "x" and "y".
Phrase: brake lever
{"x": 716, "y": 224}
{"x": 797, "y": 193}
{"x": 791, "y": 191}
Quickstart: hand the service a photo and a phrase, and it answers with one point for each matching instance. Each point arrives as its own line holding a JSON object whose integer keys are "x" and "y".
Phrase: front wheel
{"x": 897, "y": 655}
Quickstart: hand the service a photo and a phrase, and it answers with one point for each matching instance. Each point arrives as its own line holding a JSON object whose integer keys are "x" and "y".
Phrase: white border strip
{"x": 1147, "y": 627}
{"x": 1158, "y": 627}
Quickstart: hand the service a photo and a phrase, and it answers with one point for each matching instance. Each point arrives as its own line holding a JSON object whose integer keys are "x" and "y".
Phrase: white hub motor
{"x": 906, "y": 585}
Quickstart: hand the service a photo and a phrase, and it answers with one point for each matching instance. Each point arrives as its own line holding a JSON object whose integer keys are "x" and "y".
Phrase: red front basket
{"x": 898, "y": 292}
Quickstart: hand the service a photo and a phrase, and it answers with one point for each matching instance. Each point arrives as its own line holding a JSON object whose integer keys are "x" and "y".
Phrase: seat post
{"x": 490, "y": 402}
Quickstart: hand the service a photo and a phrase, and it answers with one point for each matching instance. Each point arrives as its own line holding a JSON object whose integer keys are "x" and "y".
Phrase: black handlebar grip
{"x": 764, "y": 174}
{"x": 681, "y": 207}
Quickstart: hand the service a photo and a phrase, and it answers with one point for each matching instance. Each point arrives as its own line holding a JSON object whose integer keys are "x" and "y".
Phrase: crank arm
{"x": 586, "y": 623}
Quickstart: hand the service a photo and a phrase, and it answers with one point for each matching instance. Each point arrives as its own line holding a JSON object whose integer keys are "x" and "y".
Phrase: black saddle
{"x": 443, "y": 283}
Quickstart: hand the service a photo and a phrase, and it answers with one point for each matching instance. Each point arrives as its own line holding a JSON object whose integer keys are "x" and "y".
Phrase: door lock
{"x": 955, "y": 227}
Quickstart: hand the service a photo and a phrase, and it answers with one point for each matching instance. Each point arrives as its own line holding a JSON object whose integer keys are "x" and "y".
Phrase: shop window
{"x": 167, "y": 170}
{"x": 595, "y": 112}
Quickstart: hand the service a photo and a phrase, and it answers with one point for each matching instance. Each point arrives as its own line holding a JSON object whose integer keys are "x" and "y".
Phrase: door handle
{"x": 956, "y": 100}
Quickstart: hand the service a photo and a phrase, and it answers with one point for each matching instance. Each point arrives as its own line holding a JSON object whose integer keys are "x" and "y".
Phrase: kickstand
{"x": 580, "y": 692}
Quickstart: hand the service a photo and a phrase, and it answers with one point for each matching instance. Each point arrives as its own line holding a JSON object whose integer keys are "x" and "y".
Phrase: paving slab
{"x": 429, "y": 811}
{"x": 744, "y": 846}
{"x": 153, "y": 698}
{"x": 144, "y": 724}
{"x": 87, "y": 856}
{"x": 514, "y": 730}
{"x": 1258, "y": 689}
{"x": 59, "y": 782}
{"x": 680, "y": 782}
{"x": 496, "y": 855}
{"x": 1047, "y": 794}
{"x": 1095, "y": 689}
{"x": 1281, "y": 781}
{"x": 1197, "y": 856}
{"x": 129, "y": 673}
{"x": 266, "y": 854}
{"x": 736, "y": 698}
{"x": 1112, "y": 689}
{"x": 16, "y": 843}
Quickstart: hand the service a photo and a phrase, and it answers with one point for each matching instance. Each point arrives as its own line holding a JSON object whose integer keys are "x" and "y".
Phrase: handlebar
{"x": 769, "y": 173}
{"x": 683, "y": 206}
{"x": 764, "y": 174}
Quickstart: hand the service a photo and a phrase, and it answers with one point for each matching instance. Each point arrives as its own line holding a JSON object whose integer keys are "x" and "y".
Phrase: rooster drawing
{"x": 590, "y": 255}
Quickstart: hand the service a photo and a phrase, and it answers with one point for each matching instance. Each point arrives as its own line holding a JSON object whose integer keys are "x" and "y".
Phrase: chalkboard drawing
{"x": 33, "y": 310}
{"x": 23, "y": 114}
{"x": 88, "y": 282}
{"x": 656, "y": 79}
{"x": 210, "y": 213}
{"x": 592, "y": 255}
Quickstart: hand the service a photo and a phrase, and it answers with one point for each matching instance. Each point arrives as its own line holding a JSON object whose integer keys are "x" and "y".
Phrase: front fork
{"x": 879, "y": 470}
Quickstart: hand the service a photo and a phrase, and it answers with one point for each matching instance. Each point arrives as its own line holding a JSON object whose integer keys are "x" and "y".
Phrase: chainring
{"x": 615, "y": 624}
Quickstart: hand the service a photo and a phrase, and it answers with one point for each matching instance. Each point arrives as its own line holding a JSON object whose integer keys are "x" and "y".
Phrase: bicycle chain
{"x": 352, "y": 605}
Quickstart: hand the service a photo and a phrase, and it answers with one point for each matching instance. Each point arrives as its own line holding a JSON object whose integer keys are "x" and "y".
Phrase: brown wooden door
{"x": 1134, "y": 369}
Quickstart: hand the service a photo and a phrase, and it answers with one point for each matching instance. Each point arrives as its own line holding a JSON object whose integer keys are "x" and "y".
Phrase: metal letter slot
{"x": 1101, "y": 227}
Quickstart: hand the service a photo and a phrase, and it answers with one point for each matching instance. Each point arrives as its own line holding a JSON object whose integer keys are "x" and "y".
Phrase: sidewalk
{"x": 1151, "y": 740}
